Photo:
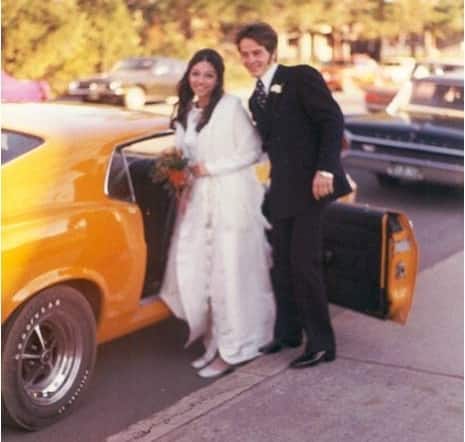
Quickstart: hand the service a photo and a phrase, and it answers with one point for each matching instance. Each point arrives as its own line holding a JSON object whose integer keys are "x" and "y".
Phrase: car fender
{"x": 63, "y": 275}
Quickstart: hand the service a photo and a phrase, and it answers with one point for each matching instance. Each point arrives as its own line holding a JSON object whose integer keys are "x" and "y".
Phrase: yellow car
{"x": 85, "y": 234}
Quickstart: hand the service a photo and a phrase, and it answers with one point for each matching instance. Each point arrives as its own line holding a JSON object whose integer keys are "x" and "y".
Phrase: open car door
{"x": 370, "y": 254}
{"x": 371, "y": 260}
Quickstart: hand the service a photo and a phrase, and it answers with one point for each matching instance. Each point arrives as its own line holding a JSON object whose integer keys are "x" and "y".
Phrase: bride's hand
{"x": 199, "y": 170}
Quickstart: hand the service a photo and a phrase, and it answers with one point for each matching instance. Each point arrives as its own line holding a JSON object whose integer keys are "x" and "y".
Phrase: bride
{"x": 217, "y": 278}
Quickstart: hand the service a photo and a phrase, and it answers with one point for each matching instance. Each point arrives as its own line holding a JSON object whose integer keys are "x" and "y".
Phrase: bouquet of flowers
{"x": 171, "y": 170}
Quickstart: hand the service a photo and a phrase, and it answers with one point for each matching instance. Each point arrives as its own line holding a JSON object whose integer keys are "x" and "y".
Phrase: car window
{"x": 449, "y": 96}
{"x": 428, "y": 93}
{"x": 118, "y": 185}
{"x": 15, "y": 144}
{"x": 423, "y": 93}
{"x": 151, "y": 147}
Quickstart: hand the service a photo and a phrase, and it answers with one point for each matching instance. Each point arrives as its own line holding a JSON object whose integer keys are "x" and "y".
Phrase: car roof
{"x": 80, "y": 122}
{"x": 444, "y": 62}
{"x": 449, "y": 78}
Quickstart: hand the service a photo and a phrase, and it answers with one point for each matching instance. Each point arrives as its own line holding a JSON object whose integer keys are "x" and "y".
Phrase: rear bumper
{"x": 435, "y": 172}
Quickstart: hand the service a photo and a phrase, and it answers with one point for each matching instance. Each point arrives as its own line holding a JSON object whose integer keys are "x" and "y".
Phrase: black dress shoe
{"x": 309, "y": 359}
{"x": 277, "y": 345}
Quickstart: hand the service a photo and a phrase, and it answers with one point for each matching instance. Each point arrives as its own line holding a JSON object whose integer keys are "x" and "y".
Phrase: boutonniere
{"x": 276, "y": 88}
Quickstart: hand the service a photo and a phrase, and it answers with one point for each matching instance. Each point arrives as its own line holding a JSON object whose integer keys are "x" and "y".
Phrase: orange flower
{"x": 177, "y": 178}
{"x": 171, "y": 170}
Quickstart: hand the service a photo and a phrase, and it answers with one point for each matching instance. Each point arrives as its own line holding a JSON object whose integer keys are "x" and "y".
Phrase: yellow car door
{"x": 371, "y": 260}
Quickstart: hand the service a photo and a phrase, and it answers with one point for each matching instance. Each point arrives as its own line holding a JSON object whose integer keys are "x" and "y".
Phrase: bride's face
{"x": 202, "y": 79}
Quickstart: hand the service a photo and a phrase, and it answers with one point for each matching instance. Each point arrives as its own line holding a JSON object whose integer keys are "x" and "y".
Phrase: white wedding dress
{"x": 217, "y": 277}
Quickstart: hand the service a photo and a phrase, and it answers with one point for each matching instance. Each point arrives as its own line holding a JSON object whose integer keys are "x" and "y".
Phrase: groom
{"x": 301, "y": 127}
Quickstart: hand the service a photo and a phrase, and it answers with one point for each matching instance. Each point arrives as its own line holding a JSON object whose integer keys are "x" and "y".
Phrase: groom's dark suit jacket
{"x": 301, "y": 128}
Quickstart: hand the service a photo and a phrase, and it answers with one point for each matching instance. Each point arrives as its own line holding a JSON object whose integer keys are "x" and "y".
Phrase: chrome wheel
{"x": 50, "y": 360}
{"x": 48, "y": 354}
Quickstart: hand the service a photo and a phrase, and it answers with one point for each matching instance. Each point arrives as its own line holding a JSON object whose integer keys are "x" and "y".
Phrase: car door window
{"x": 15, "y": 144}
{"x": 150, "y": 148}
{"x": 118, "y": 184}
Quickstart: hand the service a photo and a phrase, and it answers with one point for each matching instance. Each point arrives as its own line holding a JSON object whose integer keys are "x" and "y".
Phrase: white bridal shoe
{"x": 203, "y": 361}
{"x": 215, "y": 369}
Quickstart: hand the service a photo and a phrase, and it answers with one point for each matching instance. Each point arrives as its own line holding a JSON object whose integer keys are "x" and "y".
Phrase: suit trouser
{"x": 298, "y": 284}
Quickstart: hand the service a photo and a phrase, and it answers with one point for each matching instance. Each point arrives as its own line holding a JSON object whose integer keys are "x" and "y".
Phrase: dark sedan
{"x": 418, "y": 138}
{"x": 378, "y": 96}
{"x": 133, "y": 81}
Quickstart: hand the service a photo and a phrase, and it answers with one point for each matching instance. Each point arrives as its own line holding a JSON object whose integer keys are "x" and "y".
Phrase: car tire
{"x": 48, "y": 355}
{"x": 134, "y": 98}
{"x": 386, "y": 180}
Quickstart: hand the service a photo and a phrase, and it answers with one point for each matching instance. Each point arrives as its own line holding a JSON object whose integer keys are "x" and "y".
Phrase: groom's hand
{"x": 322, "y": 184}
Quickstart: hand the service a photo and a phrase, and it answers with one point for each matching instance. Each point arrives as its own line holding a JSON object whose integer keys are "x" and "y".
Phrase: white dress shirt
{"x": 268, "y": 76}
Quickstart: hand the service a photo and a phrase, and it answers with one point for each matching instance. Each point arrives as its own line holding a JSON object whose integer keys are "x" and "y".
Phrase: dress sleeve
{"x": 323, "y": 110}
{"x": 246, "y": 145}
{"x": 179, "y": 134}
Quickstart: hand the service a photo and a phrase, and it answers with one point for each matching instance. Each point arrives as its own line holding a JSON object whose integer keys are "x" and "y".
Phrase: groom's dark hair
{"x": 262, "y": 33}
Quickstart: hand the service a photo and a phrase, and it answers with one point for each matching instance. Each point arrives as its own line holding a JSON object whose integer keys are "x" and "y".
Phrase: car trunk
{"x": 430, "y": 139}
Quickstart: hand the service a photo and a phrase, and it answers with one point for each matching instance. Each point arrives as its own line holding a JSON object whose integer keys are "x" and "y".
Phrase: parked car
{"x": 393, "y": 73}
{"x": 85, "y": 234}
{"x": 426, "y": 68}
{"x": 333, "y": 74}
{"x": 418, "y": 138}
{"x": 359, "y": 71}
{"x": 396, "y": 70}
{"x": 15, "y": 90}
{"x": 133, "y": 82}
{"x": 379, "y": 95}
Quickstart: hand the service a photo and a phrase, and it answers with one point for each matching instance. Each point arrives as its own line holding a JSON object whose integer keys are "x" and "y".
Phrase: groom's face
{"x": 255, "y": 57}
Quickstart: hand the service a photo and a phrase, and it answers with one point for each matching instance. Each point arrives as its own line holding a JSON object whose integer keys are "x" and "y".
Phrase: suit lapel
{"x": 264, "y": 117}
{"x": 276, "y": 91}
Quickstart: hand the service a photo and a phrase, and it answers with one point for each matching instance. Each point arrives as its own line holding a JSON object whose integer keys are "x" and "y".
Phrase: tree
{"x": 60, "y": 40}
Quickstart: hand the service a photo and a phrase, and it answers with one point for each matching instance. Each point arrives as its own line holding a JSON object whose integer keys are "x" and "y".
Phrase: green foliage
{"x": 62, "y": 39}
{"x": 59, "y": 40}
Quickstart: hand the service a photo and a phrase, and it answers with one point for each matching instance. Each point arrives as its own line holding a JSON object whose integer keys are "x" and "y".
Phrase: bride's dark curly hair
{"x": 185, "y": 93}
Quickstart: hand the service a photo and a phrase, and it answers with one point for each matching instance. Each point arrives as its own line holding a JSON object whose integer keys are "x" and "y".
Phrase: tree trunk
{"x": 337, "y": 45}
{"x": 413, "y": 44}
{"x": 305, "y": 48}
{"x": 377, "y": 48}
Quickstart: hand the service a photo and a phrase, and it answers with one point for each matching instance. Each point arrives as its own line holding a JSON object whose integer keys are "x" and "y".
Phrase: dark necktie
{"x": 260, "y": 93}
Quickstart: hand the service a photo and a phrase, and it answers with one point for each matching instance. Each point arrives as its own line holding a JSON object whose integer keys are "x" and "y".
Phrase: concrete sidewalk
{"x": 389, "y": 383}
